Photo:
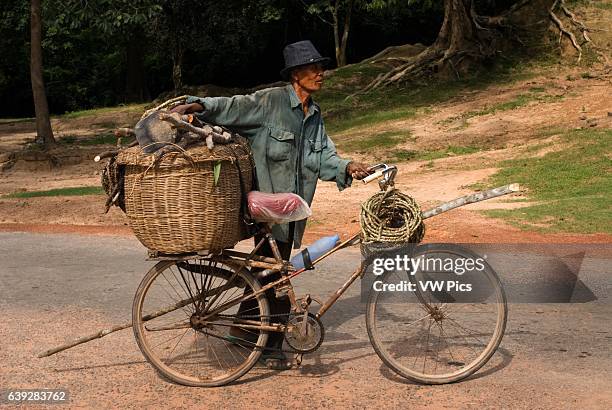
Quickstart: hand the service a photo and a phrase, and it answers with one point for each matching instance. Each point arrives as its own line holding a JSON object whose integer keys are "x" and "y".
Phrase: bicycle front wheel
{"x": 170, "y": 322}
{"x": 436, "y": 326}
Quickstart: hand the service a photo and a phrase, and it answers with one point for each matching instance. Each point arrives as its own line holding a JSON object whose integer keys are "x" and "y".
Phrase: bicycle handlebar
{"x": 373, "y": 176}
{"x": 381, "y": 171}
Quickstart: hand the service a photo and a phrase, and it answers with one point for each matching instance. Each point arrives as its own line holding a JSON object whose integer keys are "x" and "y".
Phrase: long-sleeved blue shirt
{"x": 291, "y": 150}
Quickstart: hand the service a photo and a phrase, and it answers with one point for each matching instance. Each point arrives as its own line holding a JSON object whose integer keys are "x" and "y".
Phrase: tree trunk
{"x": 460, "y": 42}
{"x": 345, "y": 34}
{"x": 177, "y": 66}
{"x": 336, "y": 26}
{"x": 135, "y": 78}
{"x": 457, "y": 27}
{"x": 44, "y": 133}
{"x": 341, "y": 42}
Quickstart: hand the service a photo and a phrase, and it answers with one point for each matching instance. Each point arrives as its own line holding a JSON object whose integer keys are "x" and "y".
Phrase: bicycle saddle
{"x": 277, "y": 208}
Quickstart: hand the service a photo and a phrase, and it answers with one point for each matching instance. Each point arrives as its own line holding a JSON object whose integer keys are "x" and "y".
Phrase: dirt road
{"x": 55, "y": 287}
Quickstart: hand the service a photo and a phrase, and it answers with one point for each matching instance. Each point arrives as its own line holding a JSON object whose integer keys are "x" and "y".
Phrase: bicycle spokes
{"x": 182, "y": 344}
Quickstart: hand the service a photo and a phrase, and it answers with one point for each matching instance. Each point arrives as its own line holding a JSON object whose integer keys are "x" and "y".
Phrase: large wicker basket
{"x": 177, "y": 207}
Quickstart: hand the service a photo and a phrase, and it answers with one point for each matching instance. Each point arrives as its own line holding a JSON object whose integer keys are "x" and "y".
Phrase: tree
{"x": 339, "y": 10}
{"x": 125, "y": 21}
{"x": 177, "y": 28}
{"x": 214, "y": 34}
{"x": 467, "y": 38}
{"x": 44, "y": 133}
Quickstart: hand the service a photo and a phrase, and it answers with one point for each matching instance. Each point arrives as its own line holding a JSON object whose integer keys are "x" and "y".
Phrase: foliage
{"x": 14, "y": 65}
{"x": 106, "y": 16}
{"x": 105, "y": 52}
{"x": 392, "y": 4}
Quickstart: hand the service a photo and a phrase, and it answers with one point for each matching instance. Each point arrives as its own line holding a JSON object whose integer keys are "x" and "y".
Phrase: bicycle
{"x": 189, "y": 339}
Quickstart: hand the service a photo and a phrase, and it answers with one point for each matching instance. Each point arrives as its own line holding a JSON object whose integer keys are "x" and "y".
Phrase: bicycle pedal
{"x": 277, "y": 364}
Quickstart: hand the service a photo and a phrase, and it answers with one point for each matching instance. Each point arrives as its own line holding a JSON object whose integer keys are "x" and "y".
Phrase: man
{"x": 290, "y": 147}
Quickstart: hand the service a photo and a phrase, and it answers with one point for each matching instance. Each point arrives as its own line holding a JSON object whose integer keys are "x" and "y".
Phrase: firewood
{"x": 105, "y": 154}
{"x": 210, "y": 134}
{"x": 124, "y": 132}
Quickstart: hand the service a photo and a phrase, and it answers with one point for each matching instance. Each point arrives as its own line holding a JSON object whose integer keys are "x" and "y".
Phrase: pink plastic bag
{"x": 277, "y": 208}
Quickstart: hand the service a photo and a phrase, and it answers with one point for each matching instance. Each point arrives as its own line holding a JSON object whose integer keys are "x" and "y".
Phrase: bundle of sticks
{"x": 189, "y": 130}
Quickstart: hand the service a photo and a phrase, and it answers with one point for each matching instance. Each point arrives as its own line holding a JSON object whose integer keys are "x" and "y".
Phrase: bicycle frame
{"x": 386, "y": 175}
{"x": 277, "y": 264}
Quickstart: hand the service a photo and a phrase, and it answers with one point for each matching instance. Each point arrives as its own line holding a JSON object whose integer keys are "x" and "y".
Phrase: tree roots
{"x": 466, "y": 37}
{"x": 568, "y": 33}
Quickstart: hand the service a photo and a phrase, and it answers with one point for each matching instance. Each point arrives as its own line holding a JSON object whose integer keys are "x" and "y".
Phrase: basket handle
{"x": 180, "y": 100}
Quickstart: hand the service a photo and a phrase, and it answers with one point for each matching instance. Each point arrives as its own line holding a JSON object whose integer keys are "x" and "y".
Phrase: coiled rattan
{"x": 391, "y": 216}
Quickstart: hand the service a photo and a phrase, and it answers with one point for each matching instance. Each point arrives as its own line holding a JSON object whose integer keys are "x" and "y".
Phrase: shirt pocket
{"x": 280, "y": 144}
{"x": 312, "y": 157}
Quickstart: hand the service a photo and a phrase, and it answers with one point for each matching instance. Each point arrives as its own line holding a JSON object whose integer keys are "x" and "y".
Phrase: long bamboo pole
{"x": 470, "y": 199}
{"x": 145, "y": 318}
{"x": 113, "y": 329}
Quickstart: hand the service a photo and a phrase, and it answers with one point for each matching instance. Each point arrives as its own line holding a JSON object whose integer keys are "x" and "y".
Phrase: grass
{"x": 104, "y": 110}
{"x": 602, "y": 5}
{"x": 573, "y": 186}
{"x": 450, "y": 150}
{"x": 104, "y": 124}
{"x": 406, "y": 100}
{"x": 411, "y": 100}
{"x": 379, "y": 141}
{"x": 100, "y": 139}
{"x": 537, "y": 89}
{"x": 537, "y": 147}
{"x": 86, "y": 113}
{"x": 403, "y": 155}
{"x": 74, "y": 191}
{"x": 478, "y": 186}
{"x": 550, "y": 131}
{"x": 382, "y": 145}
{"x": 16, "y": 120}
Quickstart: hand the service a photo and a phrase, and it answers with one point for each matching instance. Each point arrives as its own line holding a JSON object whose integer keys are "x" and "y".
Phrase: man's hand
{"x": 187, "y": 108}
{"x": 357, "y": 170}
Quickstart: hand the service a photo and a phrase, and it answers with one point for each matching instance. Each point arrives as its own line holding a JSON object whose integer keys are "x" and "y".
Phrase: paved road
{"x": 56, "y": 287}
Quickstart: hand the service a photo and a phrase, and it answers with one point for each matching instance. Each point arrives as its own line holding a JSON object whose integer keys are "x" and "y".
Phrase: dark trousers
{"x": 278, "y": 306}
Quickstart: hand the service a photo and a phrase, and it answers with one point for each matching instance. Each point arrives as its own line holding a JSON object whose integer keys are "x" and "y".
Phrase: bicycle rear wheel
{"x": 437, "y": 335}
{"x": 179, "y": 343}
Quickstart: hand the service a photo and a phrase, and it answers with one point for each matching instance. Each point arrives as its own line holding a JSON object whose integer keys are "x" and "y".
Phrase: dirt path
{"x": 333, "y": 212}
{"x": 546, "y": 104}
{"x": 551, "y": 354}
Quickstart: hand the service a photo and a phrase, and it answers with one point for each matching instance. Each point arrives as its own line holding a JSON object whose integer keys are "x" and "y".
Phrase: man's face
{"x": 309, "y": 77}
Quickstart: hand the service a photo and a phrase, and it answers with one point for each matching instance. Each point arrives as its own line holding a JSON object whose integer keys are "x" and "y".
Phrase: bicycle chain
{"x": 256, "y": 316}
{"x": 272, "y": 349}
